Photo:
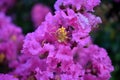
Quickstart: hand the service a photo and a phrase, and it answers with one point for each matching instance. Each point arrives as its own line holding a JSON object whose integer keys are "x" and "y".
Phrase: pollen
{"x": 61, "y": 34}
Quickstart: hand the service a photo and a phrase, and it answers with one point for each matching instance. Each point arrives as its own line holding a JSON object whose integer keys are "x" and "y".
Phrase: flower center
{"x": 61, "y": 34}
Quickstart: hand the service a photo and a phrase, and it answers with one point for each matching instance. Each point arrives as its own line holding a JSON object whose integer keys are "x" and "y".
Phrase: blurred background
{"x": 25, "y": 13}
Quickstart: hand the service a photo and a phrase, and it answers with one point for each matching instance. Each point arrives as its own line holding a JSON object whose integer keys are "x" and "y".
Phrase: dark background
{"x": 107, "y": 35}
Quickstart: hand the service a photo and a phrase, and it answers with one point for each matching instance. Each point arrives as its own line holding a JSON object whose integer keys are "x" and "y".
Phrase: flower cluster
{"x": 61, "y": 47}
{"x": 38, "y": 13}
{"x": 11, "y": 40}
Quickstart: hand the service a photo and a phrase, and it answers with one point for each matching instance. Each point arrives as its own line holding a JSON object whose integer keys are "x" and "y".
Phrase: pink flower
{"x": 11, "y": 39}
{"x": 63, "y": 45}
{"x": 38, "y": 13}
{"x": 61, "y": 28}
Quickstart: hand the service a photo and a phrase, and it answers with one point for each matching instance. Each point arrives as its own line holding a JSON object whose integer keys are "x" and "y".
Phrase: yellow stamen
{"x": 61, "y": 34}
{"x": 2, "y": 56}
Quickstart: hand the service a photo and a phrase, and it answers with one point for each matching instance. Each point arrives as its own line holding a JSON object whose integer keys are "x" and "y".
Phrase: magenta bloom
{"x": 11, "y": 39}
{"x": 64, "y": 43}
{"x": 7, "y": 77}
{"x": 38, "y": 13}
{"x": 61, "y": 47}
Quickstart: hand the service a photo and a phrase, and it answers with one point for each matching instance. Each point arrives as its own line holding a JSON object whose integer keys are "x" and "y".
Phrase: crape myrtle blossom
{"x": 38, "y": 13}
{"x": 7, "y": 77}
{"x": 11, "y": 39}
{"x": 61, "y": 47}
{"x": 52, "y": 31}
{"x": 69, "y": 29}
{"x": 51, "y": 42}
